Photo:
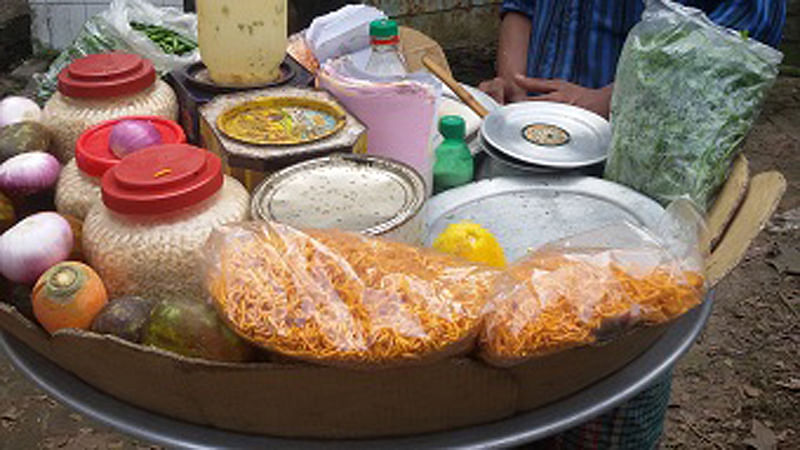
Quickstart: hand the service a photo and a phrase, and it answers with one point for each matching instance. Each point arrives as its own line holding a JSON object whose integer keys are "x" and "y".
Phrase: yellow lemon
{"x": 471, "y": 242}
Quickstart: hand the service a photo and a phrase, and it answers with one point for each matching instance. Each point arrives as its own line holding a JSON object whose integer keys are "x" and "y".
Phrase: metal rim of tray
{"x": 500, "y": 131}
{"x": 517, "y": 430}
{"x": 193, "y": 70}
{"x": 509, "y": 161}
{"x": 466, "y": 203}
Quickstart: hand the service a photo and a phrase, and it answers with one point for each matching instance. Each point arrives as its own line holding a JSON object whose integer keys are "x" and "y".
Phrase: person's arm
{"x": 512, "y": 52}
{"x": 512, "y": 85}
{"x": 596, "y": 100}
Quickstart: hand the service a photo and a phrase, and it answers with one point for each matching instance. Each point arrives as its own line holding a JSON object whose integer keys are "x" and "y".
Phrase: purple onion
{"x": 18, "y": 109}
{"x": 34, "y": 245}
{"x": 29, "y": 173}
{"x": 129, "y": 136}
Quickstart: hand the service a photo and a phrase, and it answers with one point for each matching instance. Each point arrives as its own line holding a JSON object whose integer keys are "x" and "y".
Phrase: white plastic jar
{"x": 78, "y": 187}
{"x": 102, "y": 87}
{"x": 159, "y": 207}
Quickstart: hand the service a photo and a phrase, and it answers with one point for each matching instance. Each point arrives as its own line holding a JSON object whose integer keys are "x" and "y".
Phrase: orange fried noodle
{"x": 343, "y": 299}
{"x": 552, "y": 302}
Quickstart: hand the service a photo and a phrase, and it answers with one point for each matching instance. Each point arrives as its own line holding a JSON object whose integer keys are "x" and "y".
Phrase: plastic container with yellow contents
{"x": 242, "y": 42}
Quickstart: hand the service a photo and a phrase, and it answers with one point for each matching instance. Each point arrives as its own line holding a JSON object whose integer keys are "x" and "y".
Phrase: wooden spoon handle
{"x": 459, "y": 90}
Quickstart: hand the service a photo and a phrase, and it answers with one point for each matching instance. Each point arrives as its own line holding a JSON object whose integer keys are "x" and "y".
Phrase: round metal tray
{"x": 197, "y": 75}
{"x": 520, "y": 429}
{"x": 241, "y": 115}
{"x": 586, "y": 135}
{"x": 559, "y": 206}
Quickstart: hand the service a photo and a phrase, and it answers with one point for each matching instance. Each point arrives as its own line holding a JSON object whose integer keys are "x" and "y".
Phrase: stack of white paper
{"x": 342, "y": 32}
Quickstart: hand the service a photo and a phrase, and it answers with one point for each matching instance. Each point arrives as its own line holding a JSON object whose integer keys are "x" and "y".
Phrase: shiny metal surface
{"x": 512, "y": 163}
{"x": 608, "y": 203}
{"x": 366, "y": 194}
{"x": 487, "y": 167}
{"x": 588, "y": 142}
{"x": 526, "y": 212}
{"x": 518, "y": 430}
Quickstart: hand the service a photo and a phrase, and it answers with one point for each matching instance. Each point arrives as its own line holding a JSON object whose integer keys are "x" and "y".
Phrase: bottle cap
{"x": 453, "y": 127}
{"x": 383, "y": 29}
{"x": 162, "y": 179}
{"x": 106, "y": 75}
{"x": 93, "y": 154}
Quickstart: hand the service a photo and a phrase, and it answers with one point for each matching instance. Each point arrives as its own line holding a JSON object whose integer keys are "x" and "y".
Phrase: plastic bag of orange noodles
{"x": 338, "y": 298}
{"x": 590, "y": 288}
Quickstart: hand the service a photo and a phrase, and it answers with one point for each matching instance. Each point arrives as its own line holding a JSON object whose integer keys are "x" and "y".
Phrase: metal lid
{"x": 548, "y": 134}
{"x": 366, "y": 194}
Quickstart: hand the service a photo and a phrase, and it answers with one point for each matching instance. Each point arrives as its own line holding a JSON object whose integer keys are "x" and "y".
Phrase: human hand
{"x": 503, "y": 91}
{"x": 561, "y": 91}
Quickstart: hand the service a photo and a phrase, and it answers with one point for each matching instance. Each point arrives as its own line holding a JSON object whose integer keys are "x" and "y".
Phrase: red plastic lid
{"x": 162, "y": 179}
{"x": 106, "y": 75}
{"x": 93, "y": 154}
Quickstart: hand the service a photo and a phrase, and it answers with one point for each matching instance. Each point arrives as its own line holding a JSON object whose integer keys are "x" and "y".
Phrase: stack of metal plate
{"x": 545, "y": 137}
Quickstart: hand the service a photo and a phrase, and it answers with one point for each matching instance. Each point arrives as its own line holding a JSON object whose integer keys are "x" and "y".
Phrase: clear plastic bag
{"x": 595, "y": 286}
{"x": 685, "y": 96}
{"x": 343, "y": 299}
{"x": 111, "y": 30}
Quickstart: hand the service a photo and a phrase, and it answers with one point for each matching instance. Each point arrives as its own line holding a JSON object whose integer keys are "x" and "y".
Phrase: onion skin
{"x": 130, "y": 136}
{"x": 33, "y": 246}
{"x": 29, "y": 173}
{"x": 18, "y": 109}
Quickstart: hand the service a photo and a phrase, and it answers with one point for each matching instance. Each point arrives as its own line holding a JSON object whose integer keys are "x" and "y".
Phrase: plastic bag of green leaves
{"x": 165, "y": 36}
{"x": 686, "y": 94}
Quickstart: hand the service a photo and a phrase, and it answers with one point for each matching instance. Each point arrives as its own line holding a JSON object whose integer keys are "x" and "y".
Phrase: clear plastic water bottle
{"x": 385, "y": 59}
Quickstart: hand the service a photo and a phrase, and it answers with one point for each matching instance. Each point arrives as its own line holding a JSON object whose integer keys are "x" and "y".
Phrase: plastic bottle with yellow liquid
{"x": 242, "y": 42}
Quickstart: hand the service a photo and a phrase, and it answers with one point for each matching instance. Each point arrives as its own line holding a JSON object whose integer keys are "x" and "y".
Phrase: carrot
{"x": 68, "y": 295}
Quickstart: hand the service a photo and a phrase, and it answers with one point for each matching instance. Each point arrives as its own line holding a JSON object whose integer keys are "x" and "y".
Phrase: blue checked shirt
{"x": 581, "y": 40}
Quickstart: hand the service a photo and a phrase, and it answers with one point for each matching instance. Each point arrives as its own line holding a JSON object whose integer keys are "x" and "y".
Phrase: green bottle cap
{"x": 383, "y": 28}
{"x": 453, "y": 127}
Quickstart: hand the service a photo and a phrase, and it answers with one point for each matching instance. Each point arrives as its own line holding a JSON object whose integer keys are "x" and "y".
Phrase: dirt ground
{"x": 739, "y": 387}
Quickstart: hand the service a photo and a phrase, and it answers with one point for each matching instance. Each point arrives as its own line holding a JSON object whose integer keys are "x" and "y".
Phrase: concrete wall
{"x": 15, "y": 37}
{"x": 57, "y": 22}
{"x": 453, "y": 23}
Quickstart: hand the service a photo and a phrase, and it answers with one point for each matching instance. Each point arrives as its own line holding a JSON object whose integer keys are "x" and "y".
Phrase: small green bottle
{"x": 454, "y": 164}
